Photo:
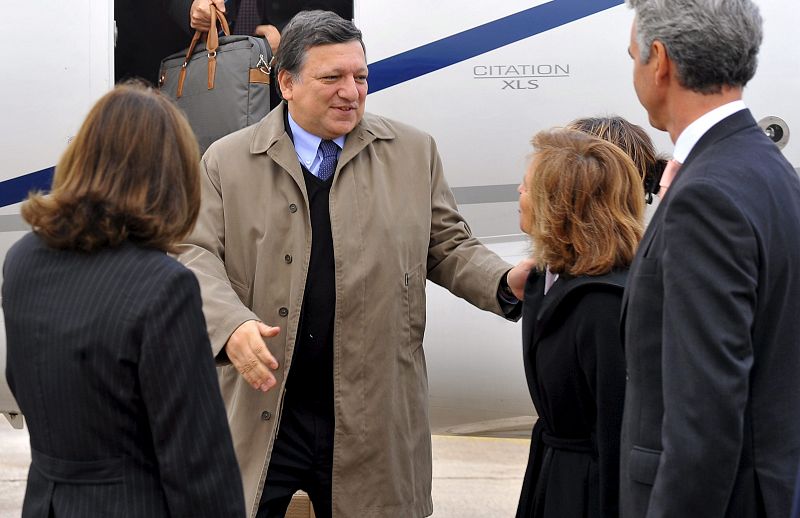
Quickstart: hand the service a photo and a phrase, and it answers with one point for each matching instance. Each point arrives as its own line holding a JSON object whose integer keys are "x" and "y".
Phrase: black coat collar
{"x": 546, "y": 306}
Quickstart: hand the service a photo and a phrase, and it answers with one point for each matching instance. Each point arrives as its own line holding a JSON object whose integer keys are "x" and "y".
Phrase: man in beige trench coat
{"x": 334, "y": 253}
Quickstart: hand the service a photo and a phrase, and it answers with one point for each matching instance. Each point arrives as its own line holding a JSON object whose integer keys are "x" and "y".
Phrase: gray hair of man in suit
{"x": 714, "y": 43}
{"x": 310, "y": 29}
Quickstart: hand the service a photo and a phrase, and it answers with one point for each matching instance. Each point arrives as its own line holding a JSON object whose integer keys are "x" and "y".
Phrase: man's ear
{"x": 286, "y": 84}
{"x": 664, "y": 67}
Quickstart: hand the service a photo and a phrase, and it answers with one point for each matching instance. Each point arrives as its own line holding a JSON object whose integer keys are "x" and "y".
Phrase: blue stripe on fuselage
{"x": 17, "y": 189}
{"x": 411, "y": 64}
{"x": 480, "y": 40}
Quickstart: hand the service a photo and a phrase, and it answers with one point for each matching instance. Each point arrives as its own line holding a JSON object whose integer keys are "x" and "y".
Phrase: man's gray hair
{"x": 714, "y": 43}
{"x": 309, "y": 29}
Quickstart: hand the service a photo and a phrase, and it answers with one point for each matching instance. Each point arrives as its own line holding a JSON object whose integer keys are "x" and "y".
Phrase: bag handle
{"x": 212, "y": 44}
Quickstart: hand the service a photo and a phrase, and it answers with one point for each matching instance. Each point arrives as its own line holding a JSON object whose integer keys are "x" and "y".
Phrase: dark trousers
{"x": 302, "y": 459}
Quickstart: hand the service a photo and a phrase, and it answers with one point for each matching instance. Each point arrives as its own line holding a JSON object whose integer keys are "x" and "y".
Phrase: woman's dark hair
{"x": 131, "y": 173}
{"x": 634, "y": 141}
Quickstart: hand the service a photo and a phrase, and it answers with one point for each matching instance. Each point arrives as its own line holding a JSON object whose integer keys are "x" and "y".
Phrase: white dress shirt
{"x": 694, "y": 131}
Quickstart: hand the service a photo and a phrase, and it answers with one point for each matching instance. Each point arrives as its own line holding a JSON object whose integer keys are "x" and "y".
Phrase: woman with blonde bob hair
{"x": 581, "y": 203}
{"x": 108, "y": 354}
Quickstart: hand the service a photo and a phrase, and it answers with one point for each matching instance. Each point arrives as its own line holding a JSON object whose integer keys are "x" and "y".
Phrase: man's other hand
{"x": 518, "y": 275}
{"x": 248, "y": 352}
{"x": 271, "y": 33}
{"x": 200, "y": 13}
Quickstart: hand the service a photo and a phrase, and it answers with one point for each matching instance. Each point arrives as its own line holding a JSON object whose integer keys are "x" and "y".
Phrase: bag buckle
{"x": 262, "y": 65}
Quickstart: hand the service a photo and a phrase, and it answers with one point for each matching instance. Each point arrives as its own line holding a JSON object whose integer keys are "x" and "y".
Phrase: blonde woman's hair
{"x": 586, "y": 204}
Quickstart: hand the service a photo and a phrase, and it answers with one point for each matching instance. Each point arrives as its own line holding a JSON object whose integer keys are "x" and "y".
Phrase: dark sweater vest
{"x": 310, "y": 380}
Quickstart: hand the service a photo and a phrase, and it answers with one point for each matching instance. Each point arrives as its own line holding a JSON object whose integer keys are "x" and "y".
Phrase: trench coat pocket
{"x": 415, "y": 304}
{"x": 241, "y": 290}
{"x": 643, "y": 465}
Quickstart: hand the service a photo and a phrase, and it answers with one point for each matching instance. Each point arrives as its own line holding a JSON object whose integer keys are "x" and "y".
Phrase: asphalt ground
{"x": 473, "y": 477}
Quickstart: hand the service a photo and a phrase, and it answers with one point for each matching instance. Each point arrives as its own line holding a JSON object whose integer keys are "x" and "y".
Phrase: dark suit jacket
{"x": 109, "y": 360}
{"x": 711, "y": 323}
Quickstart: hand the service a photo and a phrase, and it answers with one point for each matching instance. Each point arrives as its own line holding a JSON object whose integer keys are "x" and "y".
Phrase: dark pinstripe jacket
{"x": 109, "y": 360}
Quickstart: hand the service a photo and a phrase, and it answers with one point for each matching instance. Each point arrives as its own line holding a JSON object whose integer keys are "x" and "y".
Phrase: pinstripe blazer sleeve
{"x": 179, "y": 386}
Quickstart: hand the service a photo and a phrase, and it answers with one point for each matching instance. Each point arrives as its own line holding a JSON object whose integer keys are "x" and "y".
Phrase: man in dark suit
{"x": 711, "y": 424}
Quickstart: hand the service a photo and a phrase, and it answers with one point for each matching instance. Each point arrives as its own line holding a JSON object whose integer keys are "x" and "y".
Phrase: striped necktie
{"x": 329, "y": 158}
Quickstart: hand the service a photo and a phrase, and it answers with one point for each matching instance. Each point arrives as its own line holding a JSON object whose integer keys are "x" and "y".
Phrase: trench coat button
{"x": 283, "y": 312}
{"x": 288, "y": 259}
{"x": 266, "y": 415}
{"x": 292, "y": 208}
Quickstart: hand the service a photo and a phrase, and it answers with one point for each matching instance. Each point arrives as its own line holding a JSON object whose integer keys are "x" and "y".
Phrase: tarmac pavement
{"x": 473, "y": 477}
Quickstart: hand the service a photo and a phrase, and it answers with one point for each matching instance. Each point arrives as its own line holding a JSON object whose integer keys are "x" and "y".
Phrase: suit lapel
{"x": 724, "y": 128}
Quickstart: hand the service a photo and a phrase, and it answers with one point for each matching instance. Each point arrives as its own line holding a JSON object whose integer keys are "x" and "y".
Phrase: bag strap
{"x": 212, "y": 44}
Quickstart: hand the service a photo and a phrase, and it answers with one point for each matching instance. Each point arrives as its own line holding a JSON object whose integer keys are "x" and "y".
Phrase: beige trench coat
{"x": 394, "y": 224}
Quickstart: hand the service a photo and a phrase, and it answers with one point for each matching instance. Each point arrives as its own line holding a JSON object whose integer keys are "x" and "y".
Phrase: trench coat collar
{"x": 270, "y": 137}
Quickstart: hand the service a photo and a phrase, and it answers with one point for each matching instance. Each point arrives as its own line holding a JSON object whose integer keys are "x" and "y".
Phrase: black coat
{"x": 575, "y": 368}
{"x": 712, "y": 337}
{"x": 110, "y": 362}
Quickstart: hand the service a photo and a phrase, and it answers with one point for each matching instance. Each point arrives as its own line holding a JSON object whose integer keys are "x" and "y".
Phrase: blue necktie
{"x": 328, "y": 165}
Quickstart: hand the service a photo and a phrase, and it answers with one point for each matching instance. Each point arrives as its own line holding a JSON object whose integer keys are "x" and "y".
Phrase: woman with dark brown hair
{"x": 634, "y": 141}
{"x": 108, "y": 354}
{"x": 581, "y": 203}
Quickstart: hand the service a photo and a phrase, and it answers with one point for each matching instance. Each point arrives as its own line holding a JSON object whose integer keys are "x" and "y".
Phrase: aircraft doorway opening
{"x": 146, "y": 31}
{"x": 281, "y": 11}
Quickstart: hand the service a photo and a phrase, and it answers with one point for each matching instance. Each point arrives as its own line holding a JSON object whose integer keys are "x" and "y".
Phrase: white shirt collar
{"x": 550, "y": 278}
{"x": 306, "y": 144}
{"x": 694, "y": 131}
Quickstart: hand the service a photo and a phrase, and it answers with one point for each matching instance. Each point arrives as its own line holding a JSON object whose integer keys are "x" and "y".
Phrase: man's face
{"x": 643, "y": 80}
{"x": 327, "y": 99}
